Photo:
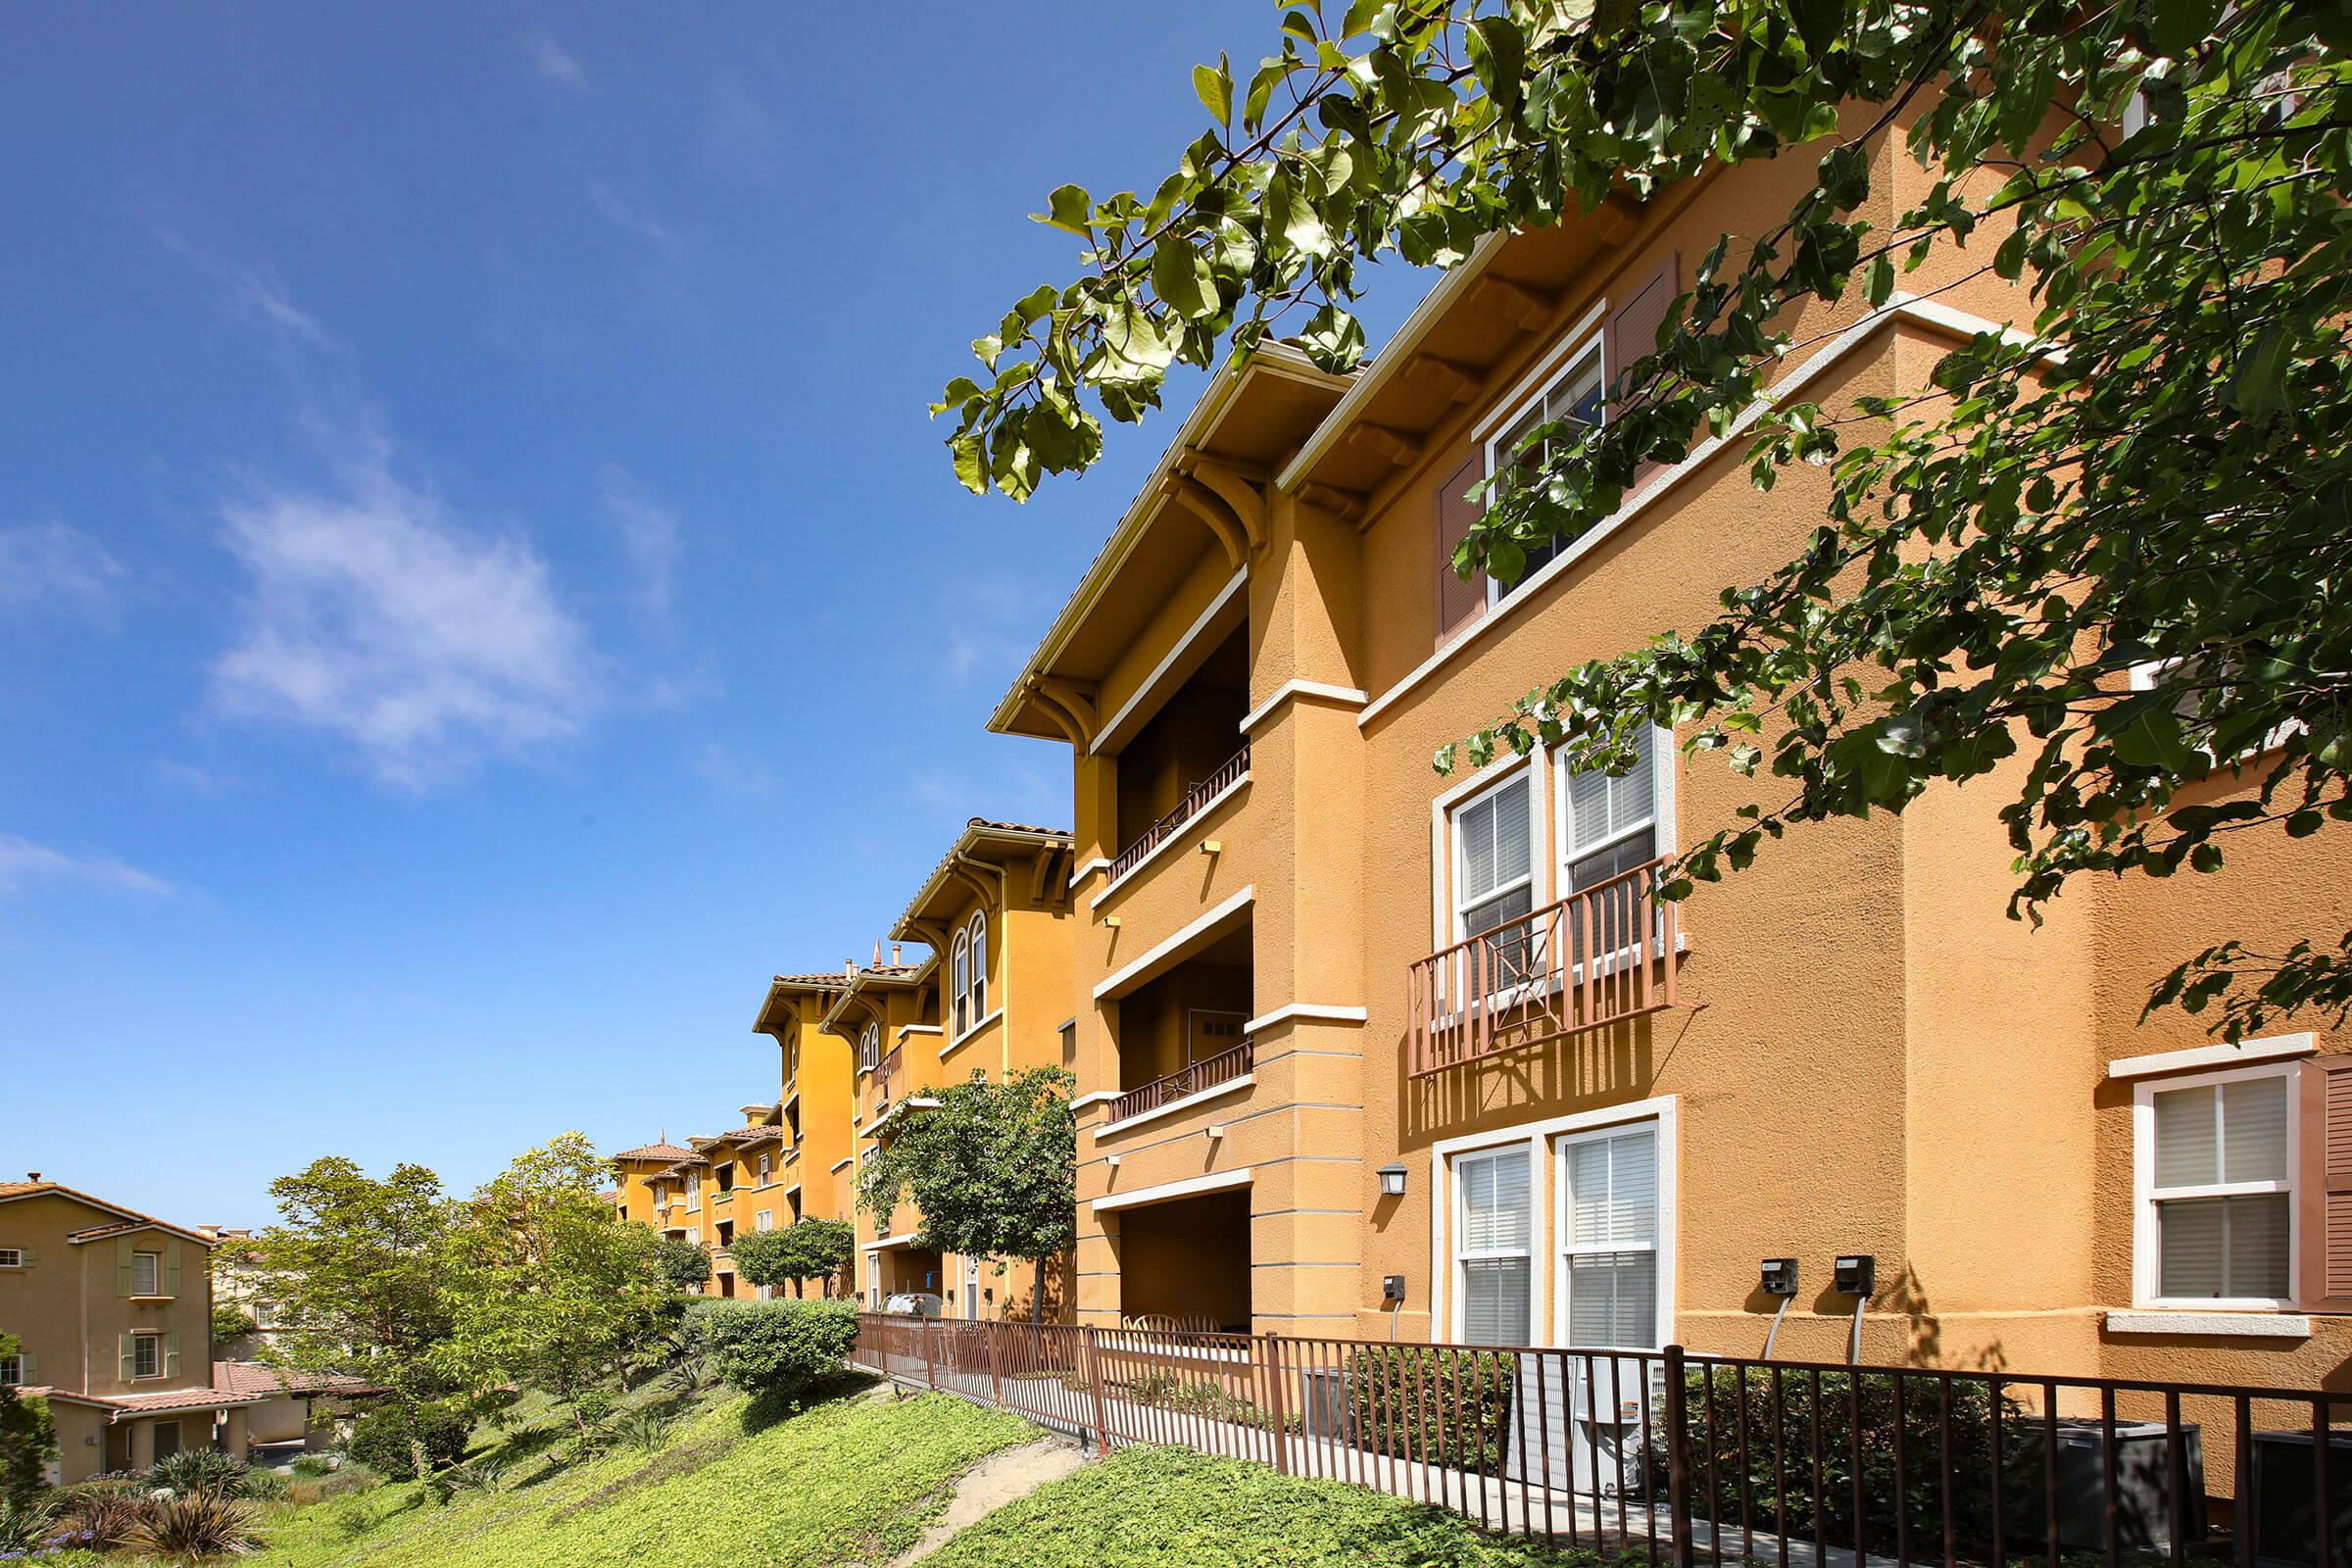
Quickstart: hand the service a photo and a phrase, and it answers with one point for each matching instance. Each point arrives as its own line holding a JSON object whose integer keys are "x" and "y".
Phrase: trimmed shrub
{"x": 230, "y": 1322}
{"x": 386, "y": 1438}
{"x": 777, "y": 1347}
{"x": 1449, "y": 1407}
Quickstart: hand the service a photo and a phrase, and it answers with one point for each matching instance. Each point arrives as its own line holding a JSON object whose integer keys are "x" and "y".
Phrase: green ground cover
{"x": 846, "y": 1480}
{"x": 1168, "y": 1508}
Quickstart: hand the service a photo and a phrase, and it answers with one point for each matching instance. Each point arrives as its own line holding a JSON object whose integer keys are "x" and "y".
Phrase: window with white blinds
{"x": 1495, "y": 858}
{"x": 2219, "y": 1183}
{"x": 1573, "y": 398}
{"x": 1612, "y": 822}
{"x": 1494, "y": 1245}
{"x": 1609, "y": 1236}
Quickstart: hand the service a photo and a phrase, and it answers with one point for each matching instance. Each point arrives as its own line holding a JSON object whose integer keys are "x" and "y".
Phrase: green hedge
{"x": 775, "y": 1347}
{"x": 1449, "y": 1407}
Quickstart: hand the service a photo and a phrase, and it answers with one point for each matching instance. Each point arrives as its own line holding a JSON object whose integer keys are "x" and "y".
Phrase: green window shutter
{"x": 25, "y": 1258}
{"x": 172, "y": 1354}
{"x": 122, "y": 1251}
{"x": 130, "y": 1356}
{"x": 171, "y": 1268}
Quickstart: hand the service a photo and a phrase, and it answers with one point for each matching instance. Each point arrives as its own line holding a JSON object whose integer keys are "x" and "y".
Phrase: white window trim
{"x": 12, "y": 1371}
{"x": 12, "y": 1257}
{"x": 139, "y": 1340}
{"x": 1562, "y": 362}
{"x": 154, "y": 1278}
{"x": 1540, "y": 1136}
{"x": 694, "y": 1192}
{"x": 1453, "y": 877}
{"x": 1659, "y": 1245}
{"x": 1441, "y": 842}
{"x": 2144, "y": 1276}
{"x": 2147, "y": 675}
{"x": 968, "y": 1008}
{"x": 960, "y": 969}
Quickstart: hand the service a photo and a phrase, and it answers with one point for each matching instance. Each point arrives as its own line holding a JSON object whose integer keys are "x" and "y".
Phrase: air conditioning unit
{"x": 2142, "y": 1479}
{"x": 2281, "y": 1514}
{"x": 1576, "y": 1422}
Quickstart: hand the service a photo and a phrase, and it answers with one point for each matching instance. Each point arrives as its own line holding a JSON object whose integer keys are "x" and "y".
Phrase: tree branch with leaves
{"x": 2105, "y": 552}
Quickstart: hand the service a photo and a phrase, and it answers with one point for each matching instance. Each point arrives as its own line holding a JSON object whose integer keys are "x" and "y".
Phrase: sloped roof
{"x": 130, "y": 1218}
{"x": 654, "y": 1152}
{"x": 264, "y": 1382}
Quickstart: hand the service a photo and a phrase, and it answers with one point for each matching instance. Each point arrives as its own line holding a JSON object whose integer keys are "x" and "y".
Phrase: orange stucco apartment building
{"x": 869, "y": 1044}
{"x": 1288, "y": 1119}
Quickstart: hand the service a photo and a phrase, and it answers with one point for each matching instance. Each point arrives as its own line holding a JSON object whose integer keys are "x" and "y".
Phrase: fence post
{"x": 922, "y": 1327}
{"x": 996, "y": 1378}
{"x": 1279, "y": 1406}
{"x": 1678, "y": 1462}
{"x": 1094, "y": 1385}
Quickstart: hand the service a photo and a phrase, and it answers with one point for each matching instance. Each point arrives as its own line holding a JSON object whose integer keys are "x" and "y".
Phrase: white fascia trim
{"x": 1400, "y": 347}
{"x": 1575, "y": 342}
{"x": 889, "y": 1242}
{"x": 1128, "y": 976}
{"x": 1215, "y": 1181}
{"x": 1345, "y": 696}
{"x": 964, "y": 1039}
{"x": 1180, "y": 836}
{"x": 1111, "y": 732}
{"x": 1095, "y": 1098}
{"x": 1306, "y": 1010}
{"x": 907, "y": 1029}
{"x": 1112, "y": 1129}
{"x": 1898, "y": 307}
{"x": 2273, "y": 1049}
{"x": 2240, "y": 1325}
{"x": 1097, "y": 863}
{"x": 874, "y": 1128}
{"x": 839, "y": 1164}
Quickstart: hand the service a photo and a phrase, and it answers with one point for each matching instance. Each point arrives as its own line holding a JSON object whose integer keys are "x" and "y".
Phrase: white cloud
{"x": 648, "y": 537}
{"x": 193, "y": 777}
{"x": 51, "y": 565}
{"x": 556, "y": 64}
{"x": 631, "y": 219}
{"x": 373, "y": 618}
{"x": 21, "y": 860}
{"x": 262, "y": 296}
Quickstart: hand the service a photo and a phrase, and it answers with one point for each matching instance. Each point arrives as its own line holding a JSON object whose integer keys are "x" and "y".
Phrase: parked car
{"x": 913, "y": 1304}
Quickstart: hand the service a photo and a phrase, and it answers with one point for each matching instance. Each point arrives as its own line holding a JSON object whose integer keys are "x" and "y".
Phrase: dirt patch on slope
{"x": 994, "y": 1482}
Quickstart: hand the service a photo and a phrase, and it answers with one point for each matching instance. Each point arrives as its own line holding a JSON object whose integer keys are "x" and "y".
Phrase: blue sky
{"x": 479, "y": 589}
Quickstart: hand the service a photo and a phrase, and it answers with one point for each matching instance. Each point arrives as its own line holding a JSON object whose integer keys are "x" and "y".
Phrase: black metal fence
{"x": 1677, "y": 1456}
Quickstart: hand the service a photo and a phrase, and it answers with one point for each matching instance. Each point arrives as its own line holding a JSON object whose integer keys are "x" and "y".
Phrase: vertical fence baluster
{"x": 1853, "y": 1437}
{"x": 2322, "y": 1510}
{"x": 1747, "y": 1466}
{"x": 1947, "y": 1481}
{"x": 1090, "y": 1351}
{"x": 1617, "y": 1420}
{"x": 1780, "y": 1443}
{"x": 2241, "y": 1503}
{"x": 1282, "y": 1424}
{"x": 1714, "y": 1475}
{"x": 2176, "y": 1480}
{"x": 2108, "y": 1488}
{"x": 1543, "y": 1445}
{"x": 1592, "y": 1420}
{"x": 2049, "y": 1468}
{"x": 1678, "y": 1461}
{"x": 2000, "y": 1528}
{"x": 1902, "y": 1471}
{"x": 1819, "y": 1491}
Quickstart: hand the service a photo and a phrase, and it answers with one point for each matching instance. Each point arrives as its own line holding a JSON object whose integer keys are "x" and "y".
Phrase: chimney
{"x": 33, "y": 1175}
{"x": 894, "y": 953}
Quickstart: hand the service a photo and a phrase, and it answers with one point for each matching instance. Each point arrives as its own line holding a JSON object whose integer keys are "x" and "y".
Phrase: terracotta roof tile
{"x": 266, "y": 1382}
{"x": 131, "y": 1219}
{"x": 654, "y": 1152}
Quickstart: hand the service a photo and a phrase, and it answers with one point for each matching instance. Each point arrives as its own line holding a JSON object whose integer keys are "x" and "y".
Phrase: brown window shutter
{"x": 1632, "y": 334}
{"x": 1460, "y": 603}
{"x": 2332, "y": 1209}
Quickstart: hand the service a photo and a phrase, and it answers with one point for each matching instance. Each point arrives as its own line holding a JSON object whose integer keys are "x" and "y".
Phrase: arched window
{"x": 958, "y": 1018}
{"x": 977, "y": 934}
{"x": 869, "y": 1048}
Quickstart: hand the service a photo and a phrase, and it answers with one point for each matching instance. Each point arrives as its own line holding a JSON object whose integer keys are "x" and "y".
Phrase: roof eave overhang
{"x": 975, "y": 840}
{"x": 1216, "y": 401}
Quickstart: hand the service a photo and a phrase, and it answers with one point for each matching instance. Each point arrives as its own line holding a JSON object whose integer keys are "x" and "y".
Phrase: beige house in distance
{"x": 114, "y": 1309}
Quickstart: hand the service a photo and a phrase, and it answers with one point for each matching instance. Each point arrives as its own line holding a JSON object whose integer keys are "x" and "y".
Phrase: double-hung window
{"x": 960, "y": 972}
{"x": 12, "y": 1371}
{"x": 869, "y": 1048}
{"x": 1611, "y": 825}
{"x": 1609, "y": 1237}
{"x": 1494, "y": 1245}
{"x": 694, "y": 1192}
{"x": 1572, "y": 399}
{"x": 12, "y": 1257}
{"x": 1494, "y": 883}
{"x": 978, "y": 989}
{"x": 146, "y": 1355}
{"x": 146, "y": 1274}
{"x": 2215, "y": 1175}
{"x": 763, "y": 1169}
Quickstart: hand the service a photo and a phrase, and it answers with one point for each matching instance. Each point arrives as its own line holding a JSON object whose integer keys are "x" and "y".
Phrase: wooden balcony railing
{"x": 885, "y": 1073}
{"x": 1593, "y": 957}
{"x": 1202, "y": 1075}
{"x": 1199, "y": 796}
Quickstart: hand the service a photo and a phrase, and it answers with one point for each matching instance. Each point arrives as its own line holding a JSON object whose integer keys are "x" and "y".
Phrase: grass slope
{"x": 1168, "y": 1508}
{"x": 848, "y": 1480}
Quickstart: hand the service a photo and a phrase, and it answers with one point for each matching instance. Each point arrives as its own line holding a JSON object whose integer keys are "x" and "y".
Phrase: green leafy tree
{"x": 2154, "y": 470}
{"x": 806, "y": 1250}
{"x": 993, "y": 1169}
{"x": 354, "y": 1265}
{"x": 686, "y": 1265}
{"x": 541, "y": 1288}
{"x": 28, "y": 1439}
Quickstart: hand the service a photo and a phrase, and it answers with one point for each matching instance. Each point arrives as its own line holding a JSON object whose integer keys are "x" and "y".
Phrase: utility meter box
{"x": 1858, "y": 1274}
{"x": 1779, "y": 1276}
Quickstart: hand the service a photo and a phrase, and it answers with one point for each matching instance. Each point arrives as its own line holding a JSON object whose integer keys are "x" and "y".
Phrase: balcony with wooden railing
{"x": 1209, "y": 1073}
{"x": 1595, "y": 957}
{"x": 1194, "y": 800}
{"x": 884, "y": 1074}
